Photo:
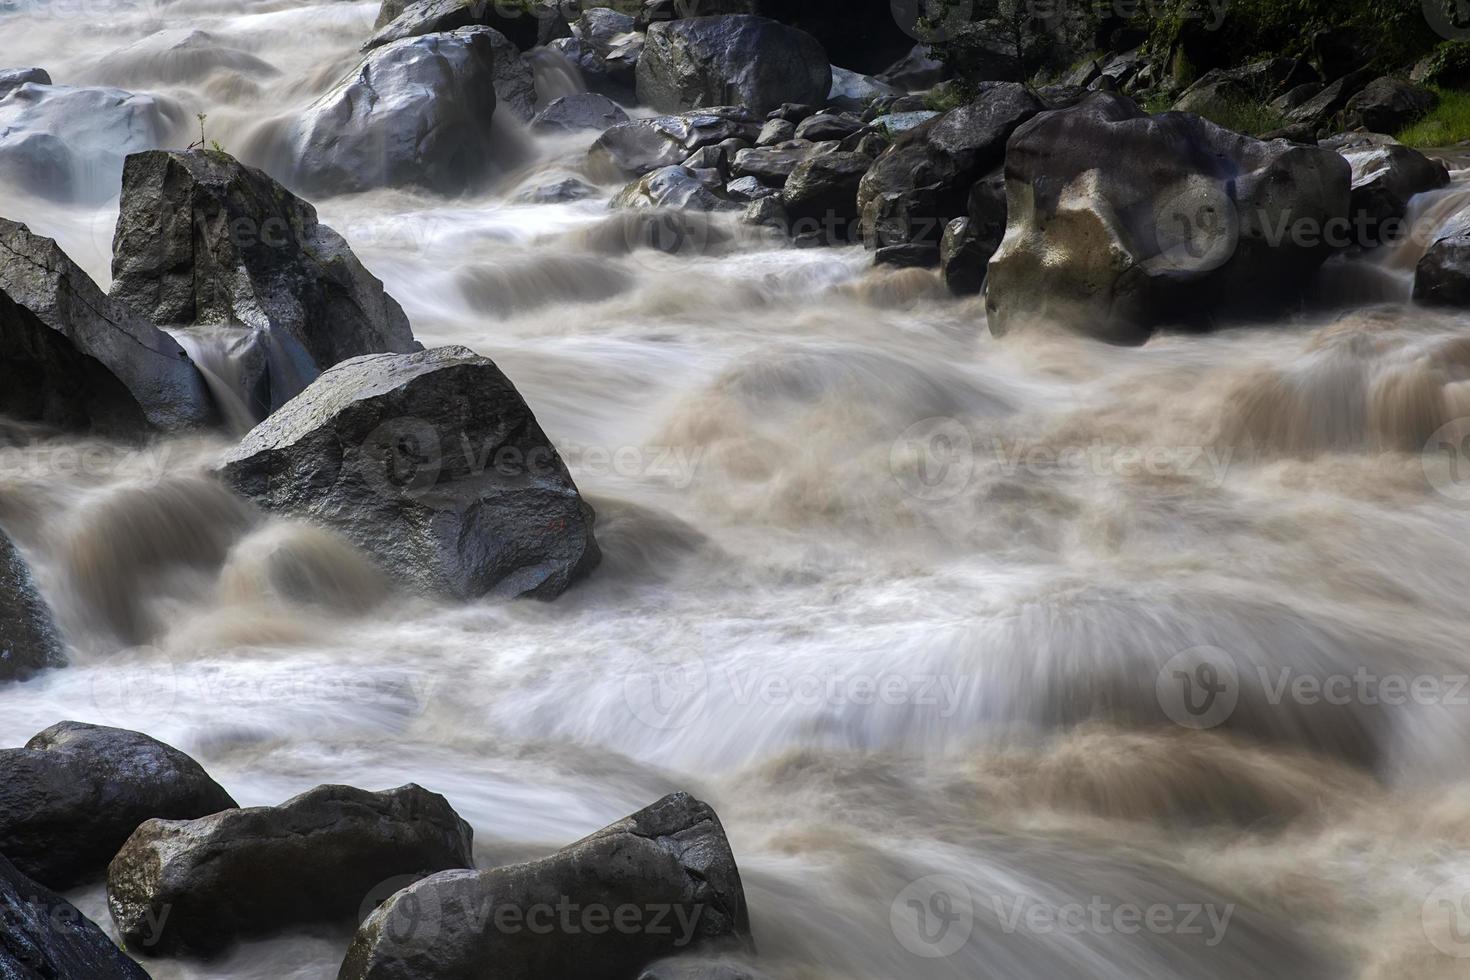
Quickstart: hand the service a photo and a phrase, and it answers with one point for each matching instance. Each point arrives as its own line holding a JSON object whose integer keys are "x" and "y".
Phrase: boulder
{"x": 527, "y": 24}
{"x": 916, "y": 71}
{"x": 605, "y": 45}
{"x": 641, "y": 146}
{"x": 1387, "y": 105}
{"x": 76, "y": 792}
{"x": 767, "y": 212}
{"x": 13, "y": 78}
{"x": 922, "y": 182}
{"x": 671, "y": 859}
{"x": 736, "y": 59}
{"x": 829, "y": 126}
{"x": 792, "y": 112}
{"x": 1318, "y": 112}
{"x": 776, "y": 131}
{"x": 67, "y": 143}
{"x": 1118, "y": 221}
{"x": 1442, "y": 277}
{"x": 195, "y": 887}
{"x": 699, "y": 968}
{"x": 671, "y": 187}
{"x": 821, "y": 196}
{"x": 433, "y": 464}
{"x": 29, "y": 640}
{"x": 71, "y": 358}
{"x": 854, "y": 92}
{"x": 911, "y": 255}
{"x": 558, "y": 192}
{"x": 896, "y": 123}
{"x": 582, "y": 111}
{"x": 203, "y": 239}
{"x": 747, "y": 189}
{"x": 413, "y": 113}
{"x": 772, "y": 165}
{"x": 179, "y": 56}
{"x": 45, "y": 937}
{"x": 963, "y": 259}
{"x": 1385, "y": 176}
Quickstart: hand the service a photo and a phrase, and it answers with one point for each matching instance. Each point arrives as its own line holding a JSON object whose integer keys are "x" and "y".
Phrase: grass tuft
{"x": 1447, "y": 125}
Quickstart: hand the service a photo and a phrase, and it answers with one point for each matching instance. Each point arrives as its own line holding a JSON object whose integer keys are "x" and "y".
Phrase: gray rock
{"x": 47, "y": 938}
{"x": 13, "y": 78}
{"x": 178, "y": 56}
{"x": 792, "y": 112}
{"x": 582, "y": 111}
{"x": 829, "y": 126}
{"x": 1386, "y": 175}
{"x": 413, "y": 113}
{"x": 821, "y": 196}
{"x": 76, "y": 792}
{"x": 1387, "y": 105}
{"x": 606, "y": 45}
{"x": 1318, "y": 111}
{"x": 962, "y": 259}
{"x": 72, "y": 358}
{"x": 772, "y": 165}
{"x": 911, "y": 255}
{"x": 737, "y": 59}
{"x": 767, "y": 212}
{"x": 916, "y": 71}
{"x": 776, "y": 131}
{"x": 853, "y": 92}
{"x": 699, "y": 968}
{"x": 432, "y": 463}
{"x": 29, "y": 640}
{"x": 640, "y": 146}
{"x": 1442, "y": 277}
{"x": 527, "y": 25}
{"x": 716, "y": 158}
{"x": 1296, "y": 96}
{"x": 204, "y": 239}
{"x": 672, "y": 856}
{"x": 902, "y": 122}
{"x": 748, "y": 189}
{"x": 67, "y": 143}
{"x": 1119, "y": 221}
{"x": 195, "y": 887}
{"x": 560, "y": 192}
{"x": 671, "y": 187}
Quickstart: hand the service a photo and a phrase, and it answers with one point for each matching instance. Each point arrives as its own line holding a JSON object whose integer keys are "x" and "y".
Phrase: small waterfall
{"x": 1431, "y": 216}
{"x": 221, "y": 355}
{"x": 556, "y": 75}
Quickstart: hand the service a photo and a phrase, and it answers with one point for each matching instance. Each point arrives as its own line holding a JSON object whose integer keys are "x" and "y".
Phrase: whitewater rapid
{"x": 894, "y": 596}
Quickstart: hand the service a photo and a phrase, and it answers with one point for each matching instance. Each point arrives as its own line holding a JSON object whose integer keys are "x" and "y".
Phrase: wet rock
{"x": 1317, "y": 112}
{"x": 853, "y": 92}
{"x": 29, "y": 640}
{"x": 605, "y": 45}
{"x": 671, "y": 187}
{"x": 829, "y": 126}
{"x": 1385, "y": 176}
{"x": 1119, "y": 221}
{"x": 901, "y": 122}
{"x": 526, "y": 24}
{"x": 672, "y": 856}
{"x": 922, "y": 182}
{"x": 67, "y": 143}
{"x": 572, "y": 113}
{"x": 72, "y": 358}
{"x": 13, "y": 78}
{"x": 821, "y": 195}
{"x": 1442, "y": 277}
{"x": 916, "y": 71}
{"x": 716, "y": 158}
{"x": 45, "y": 937}
{"x": 963, "y": 259}
{"x": 195, "y": 887}
{"x": 76, "y": 792}
{"x": 413, "y": 113}
{"x": 433, "y": 464}
{"x": 1387, "y": 105}
{"x": 772, "y": 165}
{"x": 1295, "y": 97}
{"x": 748, "y": 189}
{"x": 739, "y": 59}
{"x": 912, "y": 255}
{"x": 635, "y": 148}
{"x": 178, "y": 56}
{"x": 767, "y": 212}
{"x": 699, "y": 968}
{"x": 560, "y": 192}
{"x": 792, "y": 112}
{"x": 203, "y": 239}
{"x": 776, "y": 131}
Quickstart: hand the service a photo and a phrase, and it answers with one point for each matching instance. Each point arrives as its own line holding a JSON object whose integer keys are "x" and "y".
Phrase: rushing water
{"x": 895, "y": 596}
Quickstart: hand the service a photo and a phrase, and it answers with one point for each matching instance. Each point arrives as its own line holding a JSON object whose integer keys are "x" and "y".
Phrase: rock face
{"x": 414, "y": 113}
{"x": 28, "y": 638}
{"x": 72, "y": 358}
{"x": 68, "y": 143}
{"x": 605, "y": 45}
{"x": 641, "y": 146}
{"x": 526, "y": 24}
{"x": 431, "y": 462}
{"x": 76, "y": 792}
{"x": 585, "y": 110}
{"x": 671, "y": 187}
{"x": 922, "y": 182}
{"x": 1385, "y": 176}
{"x": 1442, "y": 277}
{"x": 45, "y": 937}
{"x": 194, "y": 887}
{"x": 1387, "y": 105}
{"x": 821, "y": 196}
{"x": 731, "y": 60}
{"x": 202, "y": 239}
{"x": 1119, "y": 221}
{"x": 671, "y": 856}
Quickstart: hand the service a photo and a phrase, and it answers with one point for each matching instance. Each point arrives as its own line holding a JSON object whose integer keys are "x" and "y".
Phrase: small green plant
{"x": 203, "y": 142}
{"x": 1446, "y": 125}
{"x": 1245, "y": 116}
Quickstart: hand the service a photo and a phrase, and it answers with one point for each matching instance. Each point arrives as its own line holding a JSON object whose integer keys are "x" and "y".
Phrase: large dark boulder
{"x": 29, "y": 640}
{"x": 731, "y": 60}
{"x": 432, "y": 463}
{"x": 670, "y": 859}
{"x": 641, "y": 146}
{"x": 72, "y": 358}
{"x": 527, "y": 23}
{"x": 821, "y": 196}
{"x": 1442, "y": 277}
{"x": 1387, "y": 105}
{"x": 1118, "y": 221}
{"x": 922, "y": 182}
{"x": 773, "y": 165}
{"x": 671, "y": 187}
{"x": 515, "y": 84}
{"x": 1386, "y": 175}
{"x": 76, "y": 792}
{"x": 202, "y": 239}
{"x": 195, "y": 887}
{"x": 45, "y": 937}
{"x": 413, "y": 113}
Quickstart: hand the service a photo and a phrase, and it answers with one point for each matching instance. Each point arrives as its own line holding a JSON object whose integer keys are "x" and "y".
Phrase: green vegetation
{"x": 1245, "y": 116}
{"x": 1448, "y": 124}
{"x": 1449, "y": 65}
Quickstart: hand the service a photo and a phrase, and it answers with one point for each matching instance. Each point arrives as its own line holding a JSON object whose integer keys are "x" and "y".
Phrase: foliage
{"x": 1448, "y": 65}
{"x": 1448, "y": 124}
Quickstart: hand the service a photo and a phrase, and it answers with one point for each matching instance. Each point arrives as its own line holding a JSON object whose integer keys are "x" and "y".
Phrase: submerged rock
{"x": 433, "y": 464}
{"x": 195, "y": 887}
{"x": 736, "y": 59}
{"x": 585, "y": 110}
{"x": 13, "y": 78}
{"x": 76, "y": 792}
{"x": 72, "y": 358}
{"x": 821, "y": 197}
{"x": 671, "y": 860}
{"x": 1385, "y": 175}
{"x": 671, "y": 187}
{"x": 203, "y": 239}
{"x": 1442, "y": 277}
{"x": 29, "y": 640}
{"x": 45, "y": 937}
{"x": 641, "y": 146}
{"x": 1119, "y": 221}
